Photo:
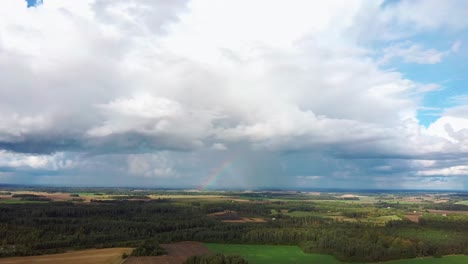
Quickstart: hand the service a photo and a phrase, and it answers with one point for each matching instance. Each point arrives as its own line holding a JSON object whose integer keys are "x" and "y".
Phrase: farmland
{"x": 261, "y": 254}
{"x": 93, "y": 256}
{"x": 325, "y": 227}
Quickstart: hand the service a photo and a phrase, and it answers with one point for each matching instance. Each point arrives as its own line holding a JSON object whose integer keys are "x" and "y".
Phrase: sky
{"x": 366, "y": 94}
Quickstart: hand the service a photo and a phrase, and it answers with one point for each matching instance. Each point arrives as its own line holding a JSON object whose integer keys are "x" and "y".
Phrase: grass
{"x": 455, "y": 259}
{"x": 264, "y": 254}
{"x": 382, "y": 219}
{"x": 267, "y": 254}
{"x": 462, "y": 202}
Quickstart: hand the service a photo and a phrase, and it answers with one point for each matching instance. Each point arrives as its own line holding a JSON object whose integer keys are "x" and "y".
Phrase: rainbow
{"x": 217, "y": 172}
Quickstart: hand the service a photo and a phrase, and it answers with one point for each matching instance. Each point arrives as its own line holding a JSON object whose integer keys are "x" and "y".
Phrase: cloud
{"x": 137, "y": 17}
{"x": 218, "y": 146}
{"x": 456, "y": 46}
{"x": 378, "y": 21}
{"x": 414, "y": 53}
{"x": 57, "y": 161}
{"x": 309, "y": 177}
{"x": 450, "y": 171}
{"x": 170, "y": 90}
{"x": 150, "y": 166}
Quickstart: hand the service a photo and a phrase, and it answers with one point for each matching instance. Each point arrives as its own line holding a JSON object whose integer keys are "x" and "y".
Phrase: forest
{"x": 137, "y": 221}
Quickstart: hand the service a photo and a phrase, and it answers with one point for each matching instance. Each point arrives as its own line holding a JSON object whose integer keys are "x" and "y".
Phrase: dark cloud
{"x": 155, "y": 93}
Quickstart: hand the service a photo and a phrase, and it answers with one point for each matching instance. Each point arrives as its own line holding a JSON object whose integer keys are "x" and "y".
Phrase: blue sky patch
{"x": 34, "y": 3}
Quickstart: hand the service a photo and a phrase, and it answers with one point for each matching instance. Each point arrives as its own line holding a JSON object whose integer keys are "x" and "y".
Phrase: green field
{"x": 382, "y": 219}
{"x": 265, "y": 254}
{"x": 463, "y": 202}
{"x": 458, "y": 259}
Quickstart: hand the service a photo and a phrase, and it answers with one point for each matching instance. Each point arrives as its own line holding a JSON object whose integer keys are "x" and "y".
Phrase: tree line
{"x": 31, "y": 229}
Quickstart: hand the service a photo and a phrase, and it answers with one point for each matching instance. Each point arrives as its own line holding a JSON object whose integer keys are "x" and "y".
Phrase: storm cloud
{"x": 161, "y": 93}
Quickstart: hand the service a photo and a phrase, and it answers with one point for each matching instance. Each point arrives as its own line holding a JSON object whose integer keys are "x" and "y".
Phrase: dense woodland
{"x": 149, "y": 247}
{"x": 216, "y": 259}
{"x": 30, "y": 229}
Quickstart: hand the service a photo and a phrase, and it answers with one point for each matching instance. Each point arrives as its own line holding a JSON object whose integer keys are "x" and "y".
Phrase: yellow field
{"x": 91, "y": 256}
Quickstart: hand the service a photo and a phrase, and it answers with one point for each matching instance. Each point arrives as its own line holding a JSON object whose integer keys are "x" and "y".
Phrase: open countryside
{"x": 90, "y": 256}
{"x": 233, "y": 131}
{"x": 260, "y": 226}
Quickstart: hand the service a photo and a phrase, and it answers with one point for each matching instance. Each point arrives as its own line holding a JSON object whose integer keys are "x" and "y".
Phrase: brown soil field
{"x": 413, "y": 217}
{"x": 91, "y": 256}
{"x": 59, "y": 196}
{"x": 177, "y": 253}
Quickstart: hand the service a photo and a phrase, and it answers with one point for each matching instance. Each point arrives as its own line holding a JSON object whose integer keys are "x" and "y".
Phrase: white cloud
{"x": 456, "y": 46}
{"x": 430, "y": 14}
{"x": 380, "y": 21}
{"x": 309, "y": 177}
{"x": 150, "y": 166}
{"x": 49, "y": 162}
{"x": 134, "y": 77}
{"x": 218, "y": 146}
{"x": 413, "y": 53}
{"x": 452, "y": 128}
{"x": 450, "y": 171}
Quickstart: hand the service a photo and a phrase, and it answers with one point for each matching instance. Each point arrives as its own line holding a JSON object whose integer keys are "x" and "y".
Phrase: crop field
{"x": 463, "y": 202}
{"x": 92, "y": 256}
{"x": 268, "y": 227}
{"x": 455, "y": 259}
{"x": 11, "y": 199}
{"x": 178, "y": 252}
{"x": 262, "y": 254}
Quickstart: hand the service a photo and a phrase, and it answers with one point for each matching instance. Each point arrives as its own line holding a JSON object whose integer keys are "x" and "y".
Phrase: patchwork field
{"x": 92, "y": 256}
{"x": 263, "y": 254}
{"x": 179, "y": 252}
{"x": 56, "y": 197}
{"x": 265, "y": 218}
